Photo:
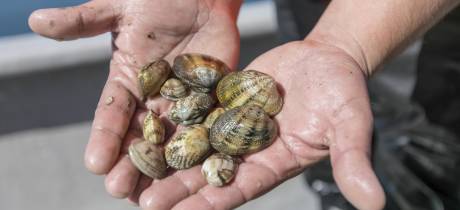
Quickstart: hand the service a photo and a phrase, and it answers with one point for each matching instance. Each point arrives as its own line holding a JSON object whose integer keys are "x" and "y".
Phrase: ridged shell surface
{"x": 211, "y": 118}
{"x": 188, "y": 147}
{"x": 200, "y": 72}
{"x": 152, "y": 76}
{"x": 243, "y": 130}
{"x": 153, "y": 128}
{"x": 173, "y": 89}
{"x": 219, "y": 169}
{"x": 191, "y": 109}
{"x": 148, "y": 158}
{"x": 249, "y": 87}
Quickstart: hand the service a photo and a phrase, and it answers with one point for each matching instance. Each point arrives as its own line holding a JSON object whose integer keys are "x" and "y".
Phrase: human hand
{"x": 326, "y": 112}
{"x": 142, "y": 31}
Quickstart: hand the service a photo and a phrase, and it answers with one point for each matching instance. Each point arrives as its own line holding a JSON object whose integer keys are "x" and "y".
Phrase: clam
{"x": 188, "y": 147}
{"x": 219, "y": 169}
{"x": 211, "y": 118}
{"x": 153, "y": 128}
{"x": 152, "y": 76}
{"x": 173, "y": 89}
{"x": 249, "y": 87}
{"x": 200, "y": 72}
{"x": 148, "y": 158}
{"x": 242, "y": 130}
{"x": 191, "y": 109}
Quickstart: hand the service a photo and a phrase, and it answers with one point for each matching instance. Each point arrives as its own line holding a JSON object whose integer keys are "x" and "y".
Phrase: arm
{"x": 372, "y": 31}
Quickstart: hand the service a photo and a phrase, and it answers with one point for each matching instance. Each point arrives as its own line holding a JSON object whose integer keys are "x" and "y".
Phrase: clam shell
{"x": 200, "y": 72}
{"x": 148, "y": 158}
{"x": 245, "y": 129}
{"x": 249, "y": 87}
{"x": 188, "y": 147}
{"x": 219, "y": 169}
{"x": 152, "y": 76}
{"x": 211, "y": 118}
{"x": 153, "y": 128}
{"x": 173, "y": 89}
{"x": 191, "y": 109}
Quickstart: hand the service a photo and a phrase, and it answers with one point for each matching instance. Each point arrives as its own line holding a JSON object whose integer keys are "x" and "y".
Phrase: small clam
{"x": 148, "y": 158}
{"x": 219, "y": 169}
{"x": 152, "y": 76}
{"x": 200, "y": 72}
{"x": 243, "y": 130}
{"x": 153, "y": 129}
{"x": 249, "y": 87}
{"x": 173, "y": 89}
{"x": 211, "y": 118}
{"x": 191, "y": 109}
{"x": 188, "y": 147}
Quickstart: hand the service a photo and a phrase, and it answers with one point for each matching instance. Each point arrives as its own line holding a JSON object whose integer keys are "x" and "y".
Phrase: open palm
{"x": 142, "y": 31}
{"x": 326, "y": 109}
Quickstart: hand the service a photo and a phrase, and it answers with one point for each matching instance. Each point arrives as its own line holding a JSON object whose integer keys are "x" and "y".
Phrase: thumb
{"x": 89, "y": 19}
{"x": 351, "y": 163}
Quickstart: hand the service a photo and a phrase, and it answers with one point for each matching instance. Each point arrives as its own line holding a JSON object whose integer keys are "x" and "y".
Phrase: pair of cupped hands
{"x": 326, "y": 108}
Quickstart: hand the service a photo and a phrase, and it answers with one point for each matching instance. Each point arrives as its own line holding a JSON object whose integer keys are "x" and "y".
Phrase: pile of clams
{"x": 215, "y": 136}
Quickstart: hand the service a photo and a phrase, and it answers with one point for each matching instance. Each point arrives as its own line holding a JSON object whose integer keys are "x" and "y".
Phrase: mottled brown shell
{"x": 188, "y": 147}
{"x": 191, "y": 109}
{"x": 148, "y": 158}
{"x": 219, "y": 169}
{"x": 153, "y": 128}
{"x": 200, "y": 72}
{"x": 211, "y": 118}
{"x": 242, "y": 130}
{"x": 152, "y": 76}
{"x": 173, "y": 89}
{"x": 249, "y": 87}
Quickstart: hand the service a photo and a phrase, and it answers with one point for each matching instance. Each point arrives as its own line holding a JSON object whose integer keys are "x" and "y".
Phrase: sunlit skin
{"x": 326, "y": 107}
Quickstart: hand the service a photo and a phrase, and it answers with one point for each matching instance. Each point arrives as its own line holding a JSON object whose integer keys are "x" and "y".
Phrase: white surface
{"x": 43, "y": 170}
{"x": 31, "y": 53}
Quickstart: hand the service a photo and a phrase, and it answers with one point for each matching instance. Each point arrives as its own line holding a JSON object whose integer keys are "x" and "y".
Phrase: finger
{"x": 111, "y": 120}
{"x": 163, "y": 194}
{"x": 350, "y": 160}
{"x": 89, "y": 19}
{"x": 246, "y": 186}
{"x": 143, "y": 183}
{"x": 123, "y": 177}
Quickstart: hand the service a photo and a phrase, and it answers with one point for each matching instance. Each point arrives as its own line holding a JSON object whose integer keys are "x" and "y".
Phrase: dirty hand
{"x": 142, "y": 31}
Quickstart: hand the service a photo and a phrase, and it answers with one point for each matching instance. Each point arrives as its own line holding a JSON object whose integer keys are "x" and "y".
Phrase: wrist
{"x": 344, "y": 41}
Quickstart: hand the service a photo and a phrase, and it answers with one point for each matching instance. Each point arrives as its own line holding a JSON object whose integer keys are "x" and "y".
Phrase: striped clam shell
{"x": 211, "y": 118}
{"x": 249, "y": 87}
{"x": 188, "y": 147}
{"x": 191, "y": 109}
{"x": 173, "y": 89}
{"x": 200, "y": 72}
{"x": 148, "y": 158}
{"x": 153, "y": 129}
{"x": 242, "y": 130}
{"x": 152, "y": 76}
{"x": 219, "y": 169}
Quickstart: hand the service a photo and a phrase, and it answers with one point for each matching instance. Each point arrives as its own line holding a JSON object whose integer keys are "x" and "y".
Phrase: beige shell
{"x": 152, "y": 76}
{"x": 219, "y": 169}
{"x": 200, "y": 72}
{"x": 212, "y": 117}
{"x": 191, "y": 109}
{"x": 243, "y": 130}
{"x": 153, "y": 128}
{"x": 249, "y": 87}
{"x": 188, "y": 147}
{"x": 148, "y": 158}
{"x": 173, "y": 89}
